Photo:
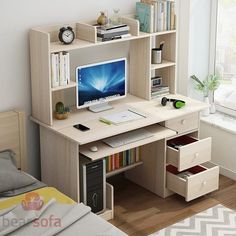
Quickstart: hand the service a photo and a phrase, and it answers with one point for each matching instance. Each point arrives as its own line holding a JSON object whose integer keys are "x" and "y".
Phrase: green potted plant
{"x": 61, "y": 112}
{"x": 207, "y": 86}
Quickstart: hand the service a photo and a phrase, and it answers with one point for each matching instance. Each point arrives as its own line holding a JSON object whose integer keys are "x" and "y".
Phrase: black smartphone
{"x": 81, "y": 127}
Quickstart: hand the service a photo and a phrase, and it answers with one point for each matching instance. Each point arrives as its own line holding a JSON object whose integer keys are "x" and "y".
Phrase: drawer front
{"x": 184, "y": 123}
{"x": 202, "y": 183}
{"x": 195, "y": 186}
{"x": 190, "y": 155}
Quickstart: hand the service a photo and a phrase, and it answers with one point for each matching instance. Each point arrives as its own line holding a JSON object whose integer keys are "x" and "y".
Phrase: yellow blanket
{"x": 45, "y": 194}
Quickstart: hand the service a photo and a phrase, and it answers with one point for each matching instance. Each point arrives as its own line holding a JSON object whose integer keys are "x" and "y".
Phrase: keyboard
{"x": 126, "y": 138}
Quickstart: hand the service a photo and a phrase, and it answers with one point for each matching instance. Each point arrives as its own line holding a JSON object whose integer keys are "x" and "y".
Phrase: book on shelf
{"x": 60, "y": 69}
{"x": 159, "y": 91}
{"x": 112, "y": 29}
{"x": 107, "y": 33}
{"x": 156, "y": 15}
{"x": 55, "y": 70}
{"x": 145, "y": 16}
{"x": 122, "y": 159}
{"x": 104, "y": 39}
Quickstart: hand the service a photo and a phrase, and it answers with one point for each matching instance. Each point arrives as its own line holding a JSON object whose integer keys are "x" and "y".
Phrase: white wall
{"x": 16, "y": 18}
{"x": 223, "y": 148}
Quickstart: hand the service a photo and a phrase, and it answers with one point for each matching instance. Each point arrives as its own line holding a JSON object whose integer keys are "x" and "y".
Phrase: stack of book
{"x": 160, "y": 91}
{"x": 60, "y": 69}
{"x": 156, "y": 15}
{"x": 122, "y": 159}
{"x": 112, "y": 32}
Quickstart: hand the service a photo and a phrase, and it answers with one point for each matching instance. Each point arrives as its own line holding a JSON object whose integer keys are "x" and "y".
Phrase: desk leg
{"x": 152, "y": 174}
{"x": 59, "y": 163}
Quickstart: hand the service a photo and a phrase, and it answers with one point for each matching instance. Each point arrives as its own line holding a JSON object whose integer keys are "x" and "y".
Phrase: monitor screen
{"x": 101, "y": 82}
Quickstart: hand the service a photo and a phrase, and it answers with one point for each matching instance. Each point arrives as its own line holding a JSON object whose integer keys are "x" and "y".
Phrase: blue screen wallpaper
{"x": 101, "y": 81}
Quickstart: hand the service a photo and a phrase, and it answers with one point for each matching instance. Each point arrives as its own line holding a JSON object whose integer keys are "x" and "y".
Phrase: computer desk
{"x": 61, "y": 143}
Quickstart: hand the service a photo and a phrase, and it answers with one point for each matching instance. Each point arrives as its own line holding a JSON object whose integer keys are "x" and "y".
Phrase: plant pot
{"x": 206, "y": 112}
{"x": 212, "y": 108}
{"x": 60, "y": 116}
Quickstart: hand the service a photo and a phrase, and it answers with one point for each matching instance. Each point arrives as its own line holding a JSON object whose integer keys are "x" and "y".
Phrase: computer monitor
{"x": 99, "y": 83}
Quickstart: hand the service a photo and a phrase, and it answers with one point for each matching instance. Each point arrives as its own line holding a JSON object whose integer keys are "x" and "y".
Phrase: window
{"x": 225, "y": 55}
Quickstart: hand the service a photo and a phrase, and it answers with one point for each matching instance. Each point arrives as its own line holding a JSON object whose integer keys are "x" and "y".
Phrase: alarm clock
{"x": 156, "y": 81}
{"x": 66, "y": 35}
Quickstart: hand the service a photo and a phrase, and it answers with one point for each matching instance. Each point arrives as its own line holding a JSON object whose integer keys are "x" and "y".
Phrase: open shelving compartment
{"x": 167, "y": 69}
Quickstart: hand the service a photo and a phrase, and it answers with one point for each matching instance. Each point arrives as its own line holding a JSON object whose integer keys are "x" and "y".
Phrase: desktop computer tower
{"x": 93, "y": 184}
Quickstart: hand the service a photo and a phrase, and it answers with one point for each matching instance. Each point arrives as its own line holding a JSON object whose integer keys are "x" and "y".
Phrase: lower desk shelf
{"x": 123, "y": 169}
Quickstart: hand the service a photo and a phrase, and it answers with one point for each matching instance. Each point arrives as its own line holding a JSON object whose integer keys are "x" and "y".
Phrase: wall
{"x": 223, "y": 148}
{"x": 16, "y": 18}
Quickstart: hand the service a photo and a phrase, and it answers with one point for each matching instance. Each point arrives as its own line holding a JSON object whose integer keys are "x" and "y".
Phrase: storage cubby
{"x": 122, "y": 161}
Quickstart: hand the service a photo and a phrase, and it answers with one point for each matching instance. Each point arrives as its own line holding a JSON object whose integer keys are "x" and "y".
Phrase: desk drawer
{"x": 184, "y": 123}
{"x": 191, "y": 152}
{"x": 203, "y": 179}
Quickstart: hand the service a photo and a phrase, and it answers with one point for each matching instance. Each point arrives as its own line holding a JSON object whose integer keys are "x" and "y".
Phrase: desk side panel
{"x": 60, "y": 163}
{"x": 40, "y": 76}
{"x": 151, "y": 175}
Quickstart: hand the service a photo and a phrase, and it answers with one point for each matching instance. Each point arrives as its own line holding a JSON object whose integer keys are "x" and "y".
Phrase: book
{"x": 172, "y": 16}
{"x": 67, "y": 58}
{"x": 102, "y": 30}
{"x": 109, "y": 35}
{"x": 137, "y": 159}
{"x": 54, "y": 70}
{"x": 145, "y": 14}
{"x": 62, "y": 72}
{"x": 101, "y": 39}
{"x": 154, "y": 3}
{"x": 160, "y": 16}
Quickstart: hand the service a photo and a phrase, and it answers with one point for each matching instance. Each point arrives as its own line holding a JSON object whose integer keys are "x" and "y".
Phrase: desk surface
{"x": 154, "y": 112}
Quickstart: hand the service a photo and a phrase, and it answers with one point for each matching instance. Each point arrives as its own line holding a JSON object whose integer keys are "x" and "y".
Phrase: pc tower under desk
{"x": 93, "y": 184}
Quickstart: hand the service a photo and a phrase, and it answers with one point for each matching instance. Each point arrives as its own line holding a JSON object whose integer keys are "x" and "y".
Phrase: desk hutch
{"x": 61, "y": 144}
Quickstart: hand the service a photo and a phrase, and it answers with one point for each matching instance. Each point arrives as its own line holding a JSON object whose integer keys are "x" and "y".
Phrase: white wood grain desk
{"x": 61, "y": 143}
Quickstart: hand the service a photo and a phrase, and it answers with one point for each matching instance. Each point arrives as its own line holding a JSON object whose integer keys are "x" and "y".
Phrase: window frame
{"x": 212, "y": 51}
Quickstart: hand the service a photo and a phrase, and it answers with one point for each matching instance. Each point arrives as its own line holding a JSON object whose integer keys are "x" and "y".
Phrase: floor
{"x": 139, "y": 212}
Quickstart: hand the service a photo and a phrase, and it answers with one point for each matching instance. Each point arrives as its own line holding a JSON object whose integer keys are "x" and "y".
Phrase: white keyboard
{"x": 126, "y": 138}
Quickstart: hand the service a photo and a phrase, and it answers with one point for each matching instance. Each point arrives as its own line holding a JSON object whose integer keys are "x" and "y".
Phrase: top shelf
{"x": 86, "y": 35}
{"x": 79, "y": 43}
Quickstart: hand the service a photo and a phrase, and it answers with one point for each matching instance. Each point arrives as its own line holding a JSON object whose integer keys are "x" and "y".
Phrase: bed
{"x": 43, "y": 210}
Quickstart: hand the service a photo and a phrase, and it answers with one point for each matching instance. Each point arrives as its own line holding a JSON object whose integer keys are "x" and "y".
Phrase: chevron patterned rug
{"x": 216, "y": 221}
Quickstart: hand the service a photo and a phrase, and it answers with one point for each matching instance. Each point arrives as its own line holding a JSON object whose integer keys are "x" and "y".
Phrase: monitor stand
{"x": 100, "y": 107}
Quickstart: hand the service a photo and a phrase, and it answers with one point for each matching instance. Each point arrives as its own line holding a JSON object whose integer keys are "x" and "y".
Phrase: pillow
{"x": 10, "y": 177}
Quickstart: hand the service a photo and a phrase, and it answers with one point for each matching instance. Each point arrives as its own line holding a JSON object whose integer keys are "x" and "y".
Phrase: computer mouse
{"x": 94, "y": 149}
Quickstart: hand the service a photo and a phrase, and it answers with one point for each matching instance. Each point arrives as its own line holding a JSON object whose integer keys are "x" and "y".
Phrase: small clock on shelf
{"x": 66, "y": 35}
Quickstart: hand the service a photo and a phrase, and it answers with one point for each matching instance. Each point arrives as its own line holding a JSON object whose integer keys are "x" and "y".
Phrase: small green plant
{"x": 61, "y": 109}
{"x": 210, "y": 84}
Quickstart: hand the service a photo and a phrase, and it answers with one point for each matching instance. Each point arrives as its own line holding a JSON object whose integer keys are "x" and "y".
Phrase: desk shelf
{"x": 104, "y": 150}
{"x": 123, "y": 169}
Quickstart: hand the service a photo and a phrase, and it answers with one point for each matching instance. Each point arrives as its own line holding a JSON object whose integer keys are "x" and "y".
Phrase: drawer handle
{"x": 204, "y": 183}
{"x": 183, "y": 122}
{"x": 196, "y": 155}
